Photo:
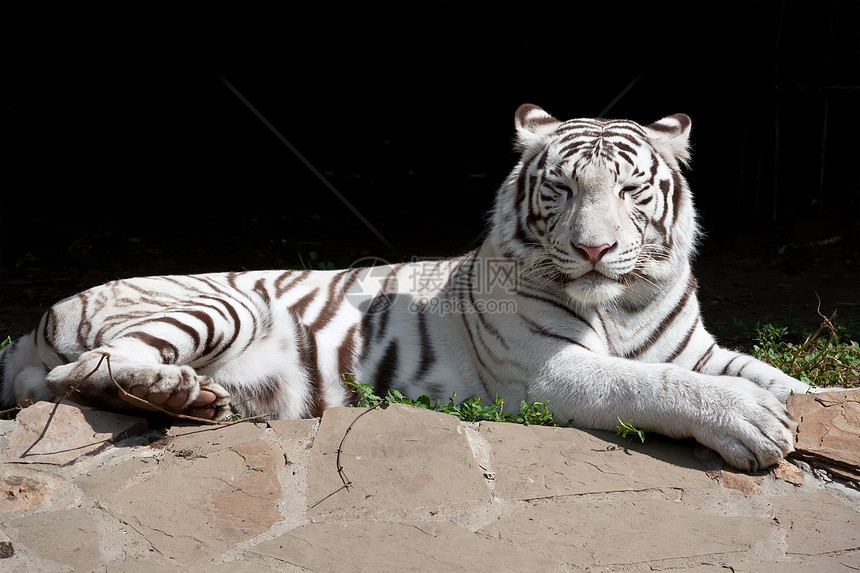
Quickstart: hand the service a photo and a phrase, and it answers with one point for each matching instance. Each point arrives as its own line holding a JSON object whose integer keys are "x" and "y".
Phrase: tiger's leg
{"x": 744, "y": 423}
{"x": 138, "y": 367}
{"x": 718, "y": 361}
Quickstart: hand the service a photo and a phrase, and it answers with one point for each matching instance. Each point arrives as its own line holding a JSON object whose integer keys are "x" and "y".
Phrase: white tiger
{"x": 582, "y": 295}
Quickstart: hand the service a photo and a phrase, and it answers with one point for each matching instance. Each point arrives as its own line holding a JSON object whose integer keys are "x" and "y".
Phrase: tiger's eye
{"x": 627, "y": 189}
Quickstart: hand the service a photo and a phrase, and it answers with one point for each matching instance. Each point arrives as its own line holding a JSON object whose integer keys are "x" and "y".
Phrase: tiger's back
{"x": 582, "y": 295}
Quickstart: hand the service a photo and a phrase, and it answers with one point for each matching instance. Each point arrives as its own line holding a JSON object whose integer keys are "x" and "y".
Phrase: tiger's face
{"x": 602, "y": 207}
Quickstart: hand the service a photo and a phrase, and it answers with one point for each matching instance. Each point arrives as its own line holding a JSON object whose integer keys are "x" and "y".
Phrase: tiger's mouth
{"x": 595, "y": 277}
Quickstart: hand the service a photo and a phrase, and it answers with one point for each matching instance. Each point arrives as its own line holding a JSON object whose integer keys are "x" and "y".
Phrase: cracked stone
{"x": 745, "y": 483}
{"x": 623, "y": 530}
{"x": 828, "y": 431}
{"x": 400, "y": 457}
{"x": 65, "y": 536}
{"x": 60, "y": 434}
{"x": 194, "y": 507}
{"x": 19, "y": 493}
{"x": 540, "y": 462}
{"x": 817, "y": 524}
{"x": 787, "y": 471}
{"x": 405, "y": 546}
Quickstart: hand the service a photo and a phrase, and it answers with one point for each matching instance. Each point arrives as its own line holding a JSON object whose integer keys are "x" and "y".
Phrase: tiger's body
{"x": 582, "y": 294}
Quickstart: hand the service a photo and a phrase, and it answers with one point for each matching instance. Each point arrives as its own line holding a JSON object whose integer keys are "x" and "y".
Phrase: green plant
{"x": 820, "y": 358}
{"x": 316, "y": 264}
{"x": 624, "y": 430}
{"x": 471, "y": 410}
{"x": 5, "y": 342}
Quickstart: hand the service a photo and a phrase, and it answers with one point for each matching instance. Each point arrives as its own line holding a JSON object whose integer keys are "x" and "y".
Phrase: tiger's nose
{"x": 594, "y": 254}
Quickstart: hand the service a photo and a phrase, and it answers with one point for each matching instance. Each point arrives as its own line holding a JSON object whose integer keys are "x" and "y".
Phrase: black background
{"x": 124, "y": 151}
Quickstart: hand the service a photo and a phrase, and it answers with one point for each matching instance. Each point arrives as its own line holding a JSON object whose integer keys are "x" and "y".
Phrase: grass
{"x": 826, "y": 357}
{"x": 471, "y": 410}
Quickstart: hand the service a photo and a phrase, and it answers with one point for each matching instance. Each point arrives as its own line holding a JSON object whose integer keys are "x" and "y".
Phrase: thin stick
{"x": 340, "y": 472}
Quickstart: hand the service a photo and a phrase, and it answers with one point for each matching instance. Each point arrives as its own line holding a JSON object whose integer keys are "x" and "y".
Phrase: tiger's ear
{"x": 533, "y": 125}
{"x": 671, "y": 137}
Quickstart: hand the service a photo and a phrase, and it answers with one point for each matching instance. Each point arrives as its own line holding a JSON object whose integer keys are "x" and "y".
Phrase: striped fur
{"x": 582, "y": 295}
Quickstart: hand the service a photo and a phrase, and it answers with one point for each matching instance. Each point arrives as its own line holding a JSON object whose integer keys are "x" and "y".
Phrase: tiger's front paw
{"x": 749, "y": 428}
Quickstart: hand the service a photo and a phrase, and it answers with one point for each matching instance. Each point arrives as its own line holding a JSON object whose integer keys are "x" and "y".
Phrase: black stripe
{"x": 541, "y": 331}
{"x": 236, "y": 326}
{"x": 686, "y": 340}
{"x": 655, "y": 334}
{"x": 725, "y": 370}
{"x": 705, "y": 358}
{"x": 556, "y": 304}
{"x": 307, "y": 350}
{"x": 428, "y": 357}
{"x": 386, "y": 370}
{"x": 169, "y": 353}
{"x": 187, "y": 329}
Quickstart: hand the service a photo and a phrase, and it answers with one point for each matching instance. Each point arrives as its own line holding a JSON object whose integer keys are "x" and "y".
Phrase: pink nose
{"x": 594, "y": 254}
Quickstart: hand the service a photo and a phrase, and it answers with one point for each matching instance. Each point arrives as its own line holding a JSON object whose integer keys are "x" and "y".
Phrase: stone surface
{"x": 816, "y": 523}
{"x": 420, "y": 459}
{"x": 426, "y": 493}
{"x": 789, "y": 472}
{"x": 6, "y": 549}
{"x": 745, "y": 483}
{"x": 828, "y": 433}
{"x": 408, "y": 545}
{"x": 214, "y": 488}
{"x": 537, "y": 462}
{"x": 60, "y": 433}
{"x": 625, "y": 528}
{"x": 67, "y": 536}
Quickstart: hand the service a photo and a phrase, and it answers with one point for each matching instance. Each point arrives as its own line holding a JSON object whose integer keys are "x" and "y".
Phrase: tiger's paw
{"x": 752, "y": 430}
{"x": 201, "y": 407}
{"x": 177, "y": 389}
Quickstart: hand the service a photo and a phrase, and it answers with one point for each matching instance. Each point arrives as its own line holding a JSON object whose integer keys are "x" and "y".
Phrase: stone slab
{"x": 626, "y": 529}
{"x": 404, "y": 547}
{"x": 214, "y": 488}
{"x": 538, "y": 462}
{"x": 816, "y": 524}
{"x": 60, "y": 434}
{"x": 67, "y": 536}
{"x": 398, "y": 458}
{"x": 828, "y": 431}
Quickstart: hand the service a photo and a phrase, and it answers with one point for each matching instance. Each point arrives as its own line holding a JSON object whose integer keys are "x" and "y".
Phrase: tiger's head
{"x": 598, "y": 206}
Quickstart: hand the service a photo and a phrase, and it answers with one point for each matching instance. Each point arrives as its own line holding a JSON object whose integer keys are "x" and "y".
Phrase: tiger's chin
{"x": 594, "y": 289}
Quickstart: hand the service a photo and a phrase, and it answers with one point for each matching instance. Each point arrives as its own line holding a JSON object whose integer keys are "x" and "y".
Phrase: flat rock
{"x": 816, "y": 523}
{"x": 625, "y": 529}
{"x": 537, "y": 462}
{"x": 397, "y": 458}
{"x": 745, "y": 483}
{"x": 215, "y": 487}
{"x": 67, "y": 536}
{"x": 828, "y": 431}
{"x": 60, "y": 434}
{"x": 22, "y": 493}
{"x": 426, "y": 493}
{"x": 404, "y": 547}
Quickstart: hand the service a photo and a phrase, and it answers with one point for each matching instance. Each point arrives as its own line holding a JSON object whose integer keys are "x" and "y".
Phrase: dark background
{"x": 124, "y": 152}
